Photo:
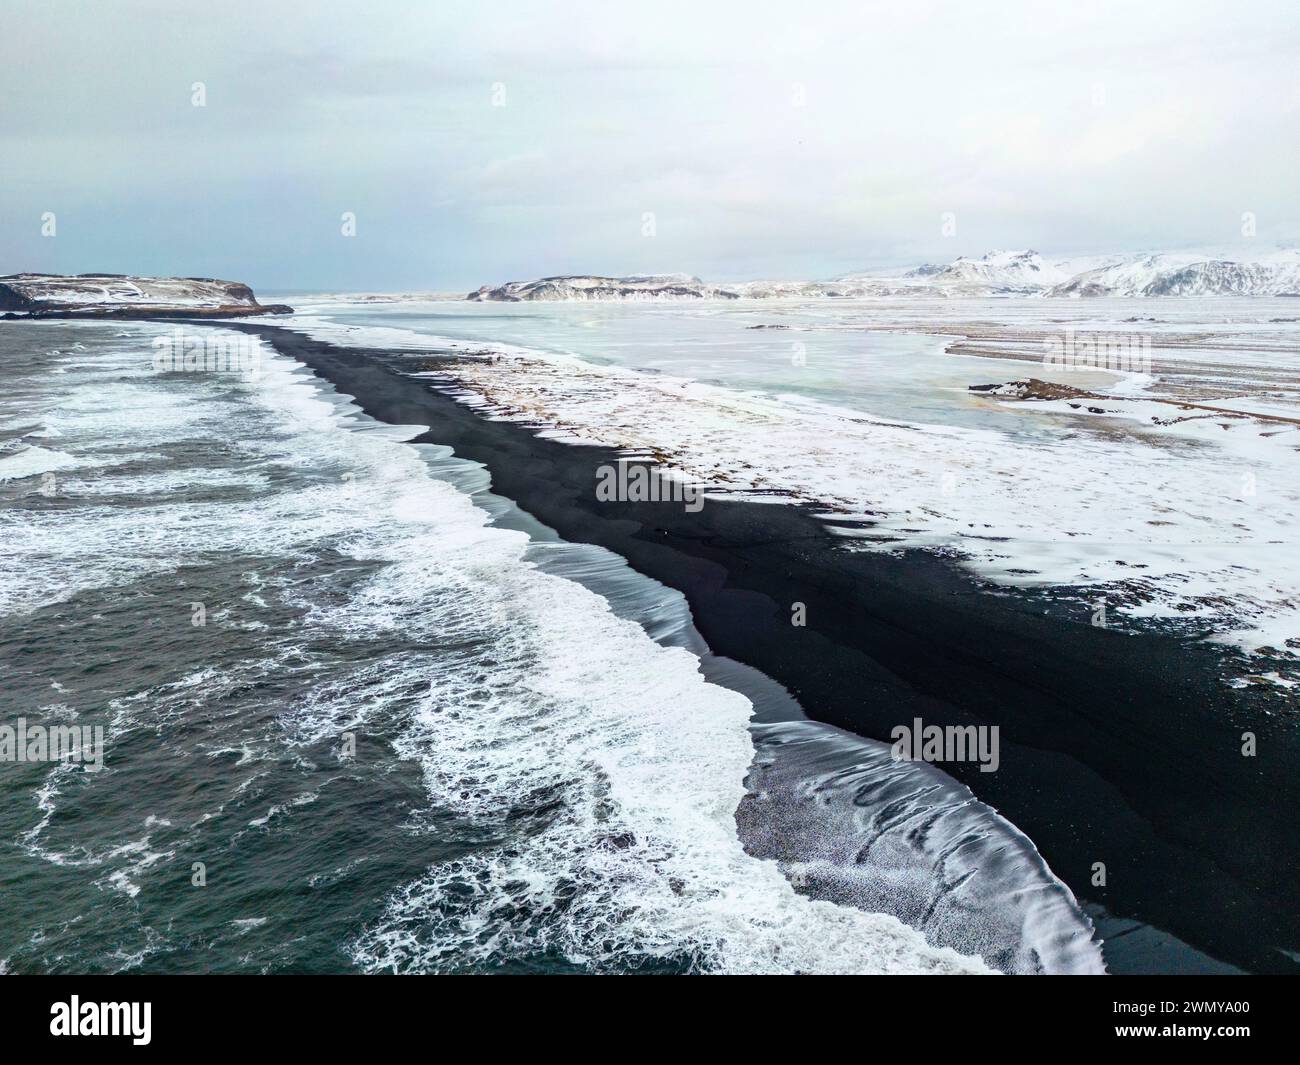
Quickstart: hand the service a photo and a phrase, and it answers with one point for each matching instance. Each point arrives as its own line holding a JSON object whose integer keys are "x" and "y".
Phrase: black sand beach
{"x": 1115, "y": 748}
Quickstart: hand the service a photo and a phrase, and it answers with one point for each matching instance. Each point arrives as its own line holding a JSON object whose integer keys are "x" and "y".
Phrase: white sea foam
{"x": 609, "y": 767}
{"x": 640, "y": 860}
{"x": 31, "y": 461}
{"x": 629, "y": 790}
{"x": 541, "y": 710}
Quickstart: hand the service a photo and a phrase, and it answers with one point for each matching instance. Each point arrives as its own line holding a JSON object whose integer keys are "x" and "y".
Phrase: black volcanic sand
{"x": 145, "y": 313}
{"x": 1115, "y": 748}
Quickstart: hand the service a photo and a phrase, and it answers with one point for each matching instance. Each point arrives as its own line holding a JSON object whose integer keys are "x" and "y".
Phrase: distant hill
{"x": 123, "y": 296}
{"x": 999, "y": 273}
{"x": 585, "y": 287}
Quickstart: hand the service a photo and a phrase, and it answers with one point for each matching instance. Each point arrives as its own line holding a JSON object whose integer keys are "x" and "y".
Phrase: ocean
{"x": 362, "y": 714}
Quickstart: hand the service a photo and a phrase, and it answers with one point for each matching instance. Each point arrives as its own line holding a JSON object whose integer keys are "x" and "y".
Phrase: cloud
{"x": 767, "y": 140}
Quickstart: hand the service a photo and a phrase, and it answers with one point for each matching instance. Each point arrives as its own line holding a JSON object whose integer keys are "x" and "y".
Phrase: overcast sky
{"x": 483, "y": 142}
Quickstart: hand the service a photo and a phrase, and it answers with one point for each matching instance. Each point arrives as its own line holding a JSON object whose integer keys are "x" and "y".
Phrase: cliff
{"x": 123, "y": 296}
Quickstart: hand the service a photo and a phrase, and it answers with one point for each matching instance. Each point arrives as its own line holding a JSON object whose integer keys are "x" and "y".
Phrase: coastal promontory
{"x": 24, "y": 296}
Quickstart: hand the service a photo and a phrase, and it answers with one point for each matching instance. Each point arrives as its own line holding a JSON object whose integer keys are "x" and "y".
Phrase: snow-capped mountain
{"x": 999, "y": 273}
{"x": 1185, "y": 275}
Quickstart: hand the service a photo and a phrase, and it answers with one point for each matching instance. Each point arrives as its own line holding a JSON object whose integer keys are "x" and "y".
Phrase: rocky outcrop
{"x": 124, "y": 296}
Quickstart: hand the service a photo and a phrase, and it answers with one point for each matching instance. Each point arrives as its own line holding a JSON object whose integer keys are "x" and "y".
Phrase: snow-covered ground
{"x": 1161, "y": 510}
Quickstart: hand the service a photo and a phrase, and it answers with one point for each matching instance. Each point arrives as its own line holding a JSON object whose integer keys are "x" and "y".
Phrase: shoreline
{"x": 1115, "y": 748}
{"x": 144, "y": 314}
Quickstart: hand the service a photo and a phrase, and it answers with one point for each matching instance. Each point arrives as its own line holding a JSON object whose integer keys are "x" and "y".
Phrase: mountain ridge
{"x": 997, "y": 273}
